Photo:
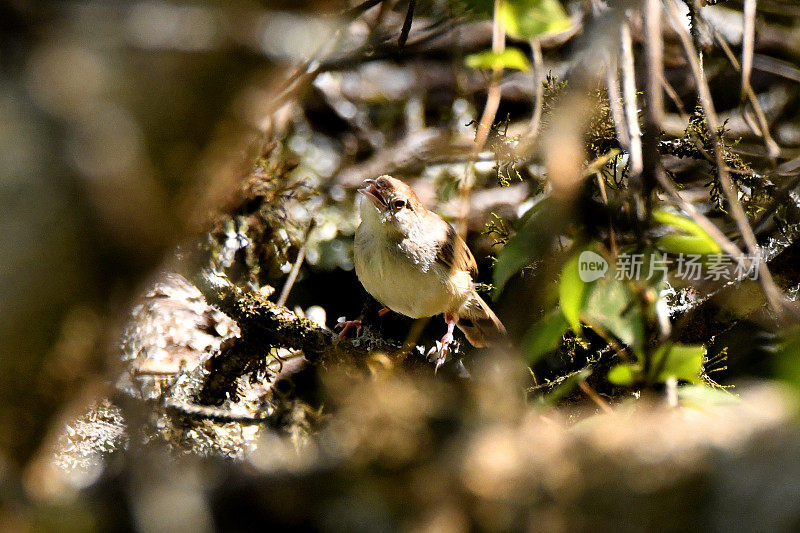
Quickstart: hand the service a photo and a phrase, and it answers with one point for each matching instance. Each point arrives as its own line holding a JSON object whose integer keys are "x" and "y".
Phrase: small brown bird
{"x": 414, "y": 263}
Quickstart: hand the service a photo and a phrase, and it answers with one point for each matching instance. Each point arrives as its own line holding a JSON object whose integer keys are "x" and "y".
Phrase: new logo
{"x": 591, "y": 266}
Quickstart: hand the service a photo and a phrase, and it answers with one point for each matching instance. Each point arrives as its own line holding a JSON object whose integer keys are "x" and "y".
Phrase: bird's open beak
{"x": 373, "y": 193}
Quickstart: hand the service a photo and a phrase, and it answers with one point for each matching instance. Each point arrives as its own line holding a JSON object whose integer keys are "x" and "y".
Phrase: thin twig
{"x": 306, "y": 72}
{"x": 538, "y": 87}
{"x": 654, "y": 97}
{"x": 673, "y": 95}
{"x": 635, "y": 162}
{"x": 654, "y": 49}
{"x": 776, "y": 66}
{"x": 671, "y": 392}
{"x": 614, "y": 99}
{"x": 748, "y": 39}
{"x": 528, "y": 140}
{"x": 368, "y": 52}
{"x": 356, "y": 11}
{"x": 762, "y": 130}
{"x": 612, "y": 237}
{"x": 301, "y": 255}
{"x": 287, "y": 286}
{"x": 311, "y": 67}
{"x": 406, "y": 29}
{"x": 590, "y": 392}
{"x": 622, "y": 351}
{"x": 215, "y": 414}
{"x": 487, "y": 118}
{"x": 701, "y": 320}
{"x": 629, "y": 99}
{"x": 773, "y": 295}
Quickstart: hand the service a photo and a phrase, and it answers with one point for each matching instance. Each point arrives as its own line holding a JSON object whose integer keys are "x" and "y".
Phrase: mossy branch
{"x": 265, "y": 325}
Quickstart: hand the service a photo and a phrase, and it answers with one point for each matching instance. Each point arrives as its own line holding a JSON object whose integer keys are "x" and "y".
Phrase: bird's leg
{"x": 346, "y": 326}
{"x": 444, "y": 344}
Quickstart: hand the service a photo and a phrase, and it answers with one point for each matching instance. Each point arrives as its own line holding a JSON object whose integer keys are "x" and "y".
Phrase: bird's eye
{"x": 399, "y": 204}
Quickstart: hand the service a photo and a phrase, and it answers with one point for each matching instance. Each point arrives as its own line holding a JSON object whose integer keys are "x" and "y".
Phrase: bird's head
{"x": 390, "y": 202}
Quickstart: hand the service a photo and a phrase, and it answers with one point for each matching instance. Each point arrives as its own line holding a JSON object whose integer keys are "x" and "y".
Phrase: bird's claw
{"x": 346, "y": 326}
{"x": 440, "y": 351}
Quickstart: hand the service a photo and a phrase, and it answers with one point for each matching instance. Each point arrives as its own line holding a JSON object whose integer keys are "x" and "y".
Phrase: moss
{"x": 755, "y": 190}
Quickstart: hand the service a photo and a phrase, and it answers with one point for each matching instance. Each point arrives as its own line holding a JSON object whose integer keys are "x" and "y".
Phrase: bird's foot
{"x": 346, "y": 326}
{"x": 438, "y": 354}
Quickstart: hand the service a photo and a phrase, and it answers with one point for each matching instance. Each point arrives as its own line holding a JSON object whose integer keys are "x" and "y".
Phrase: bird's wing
{"x": 454, "y": 253}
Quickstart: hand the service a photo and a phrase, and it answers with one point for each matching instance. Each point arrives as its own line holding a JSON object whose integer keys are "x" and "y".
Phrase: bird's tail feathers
{"x": 479, "y": 323}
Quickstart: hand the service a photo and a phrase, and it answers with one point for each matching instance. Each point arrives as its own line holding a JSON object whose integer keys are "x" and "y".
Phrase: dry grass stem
{"x": 773, "y": 295}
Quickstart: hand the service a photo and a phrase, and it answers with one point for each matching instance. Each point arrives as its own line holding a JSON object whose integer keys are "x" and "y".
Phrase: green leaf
{"x": 678, "y": 221}
{"x": 544, "y": 336}
{"x": 511, "y": 58}
{"x": 686, "y": 244}
{"x": 696, "y": 242}
{"x": 529, "y": 19}
{"x": 528, "y": 244}
{"x": 611, "y": 306}
{"x": 702, "y": 397}
{"x": 787, "y": 357}
{"x": 623, "y": 374}
{"x": 679, "y": 361}
{"x": 572, "y": 292}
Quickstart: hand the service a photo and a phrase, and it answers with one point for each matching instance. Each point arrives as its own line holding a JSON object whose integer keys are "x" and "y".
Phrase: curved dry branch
{"x": 775, "y": 299}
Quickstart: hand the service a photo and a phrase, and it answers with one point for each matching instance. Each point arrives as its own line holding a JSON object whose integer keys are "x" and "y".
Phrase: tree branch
{"x": 265, "y": 325}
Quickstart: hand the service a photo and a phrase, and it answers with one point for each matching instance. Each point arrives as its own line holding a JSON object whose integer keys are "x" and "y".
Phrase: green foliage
{"x": 623, "y": 375}
{"x": 678, "y": 221}
{"x": 685, "y": 244}
{"x": 484, "y": 287}
{"x": 682, "y": 362}
{"x": 678, "y": 361}
{"x": 608, "y": 305}
{"x": 697, "y": 241}
{"x": 572, "y": 293}
{"x": 544, "y": 336}
{"x": 705, "y": 397}
{"x": 497, "y": 229}
{"x": 526, "y": 245}
{"x": 787, "y": 360}
{"x": 616, "y": 309}
{"x": 510, "y": 58}
{"x": 530, "y": 19}
{"x": 611, "y": 307}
